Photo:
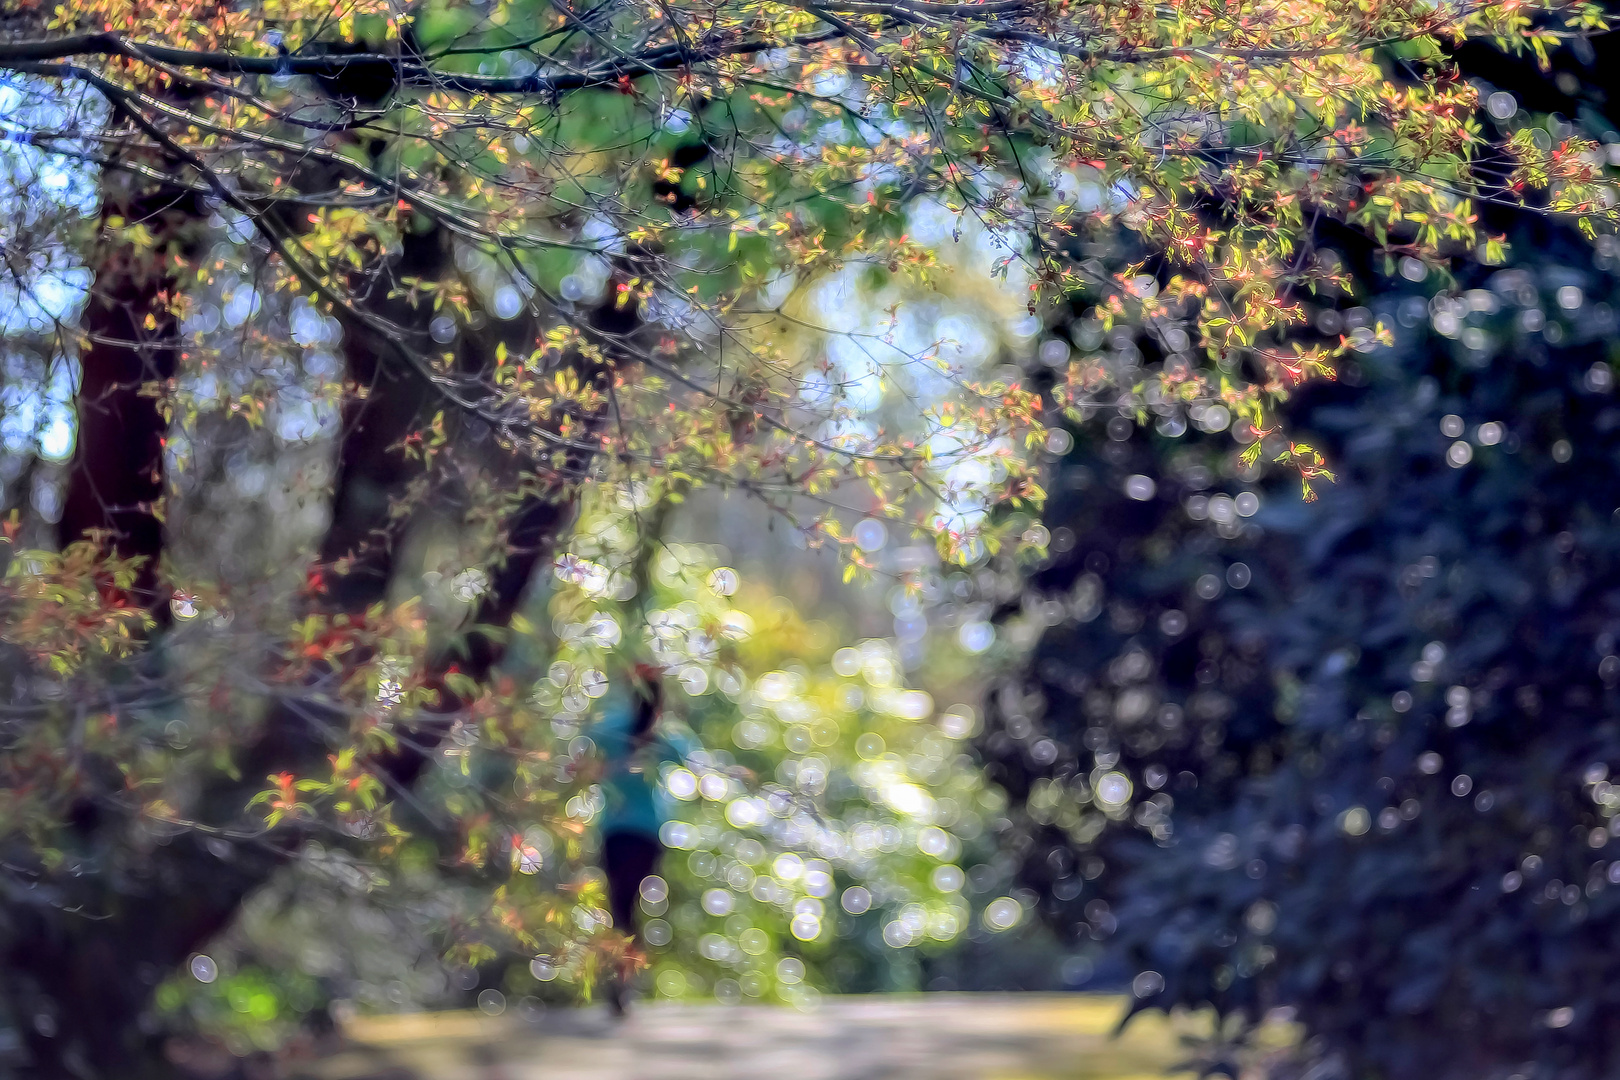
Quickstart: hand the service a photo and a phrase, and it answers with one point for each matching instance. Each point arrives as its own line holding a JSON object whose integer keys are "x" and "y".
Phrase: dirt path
{"x": 936, "y": 1037}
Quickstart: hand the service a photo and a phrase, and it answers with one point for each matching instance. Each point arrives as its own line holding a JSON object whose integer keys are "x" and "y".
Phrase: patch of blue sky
{"x": 1043, "y": 67}
{"x": 964, "y": 340}
{"x": 43, "y": 193}
{"x": 962, "y": 515}
{"x": 602, "y": 234}
{"x": 48, "y": 296}
{"x": 931, "y": 223}
{"x": 912, "y": 329}
{"x": 302, "y": 419}
{"x": 950, "y": 444}
{"x": 817, "y": 391}
{"x": 36, "y": 406}
{"x": 859, "y": 373}
{"x": 30, "y": 106}
{"x": 238, "y": 228}
{"x": 241, "y": 304}
{"x": 968, "y": 469}
{"x": 850, "y": 433}
{"x": 778, "y": 286}
{"x": 837, "y": 300}
{"x": 202, "y": 318}
{"x": 965, "y": 495}
{"x": 309, "y": 327}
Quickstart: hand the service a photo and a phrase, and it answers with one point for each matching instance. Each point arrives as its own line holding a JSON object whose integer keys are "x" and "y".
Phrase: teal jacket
{"x": 633, "y": 800}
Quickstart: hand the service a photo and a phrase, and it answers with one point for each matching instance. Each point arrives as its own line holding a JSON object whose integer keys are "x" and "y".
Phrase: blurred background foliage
{"x": 832, "y": 829}
{"x": 1351, "y": 758}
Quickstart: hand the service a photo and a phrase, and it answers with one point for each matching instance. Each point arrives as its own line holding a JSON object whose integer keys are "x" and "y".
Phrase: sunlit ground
{"x": 938, "y": 1037}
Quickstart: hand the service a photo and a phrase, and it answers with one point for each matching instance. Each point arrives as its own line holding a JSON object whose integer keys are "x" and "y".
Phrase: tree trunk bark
{"x": 84, "y": 951}
{"x": 132, "y": 339}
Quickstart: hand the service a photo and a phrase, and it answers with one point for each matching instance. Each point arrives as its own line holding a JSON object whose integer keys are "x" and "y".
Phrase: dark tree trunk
{"x": 85, "y": 946}
{"x": 84, "y": 956}
{"x": 132, "y": 339}
{"x": 84, "y": 951}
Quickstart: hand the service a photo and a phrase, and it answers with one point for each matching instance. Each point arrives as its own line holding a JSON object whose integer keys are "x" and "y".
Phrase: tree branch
{"x": 405, "y": 70}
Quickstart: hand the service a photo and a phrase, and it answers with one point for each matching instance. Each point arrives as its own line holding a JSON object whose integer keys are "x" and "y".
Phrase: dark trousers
{"x": 626, "y": 859}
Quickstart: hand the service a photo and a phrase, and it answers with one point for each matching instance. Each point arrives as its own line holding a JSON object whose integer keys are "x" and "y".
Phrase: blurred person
{"x": 633, "y": 748}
